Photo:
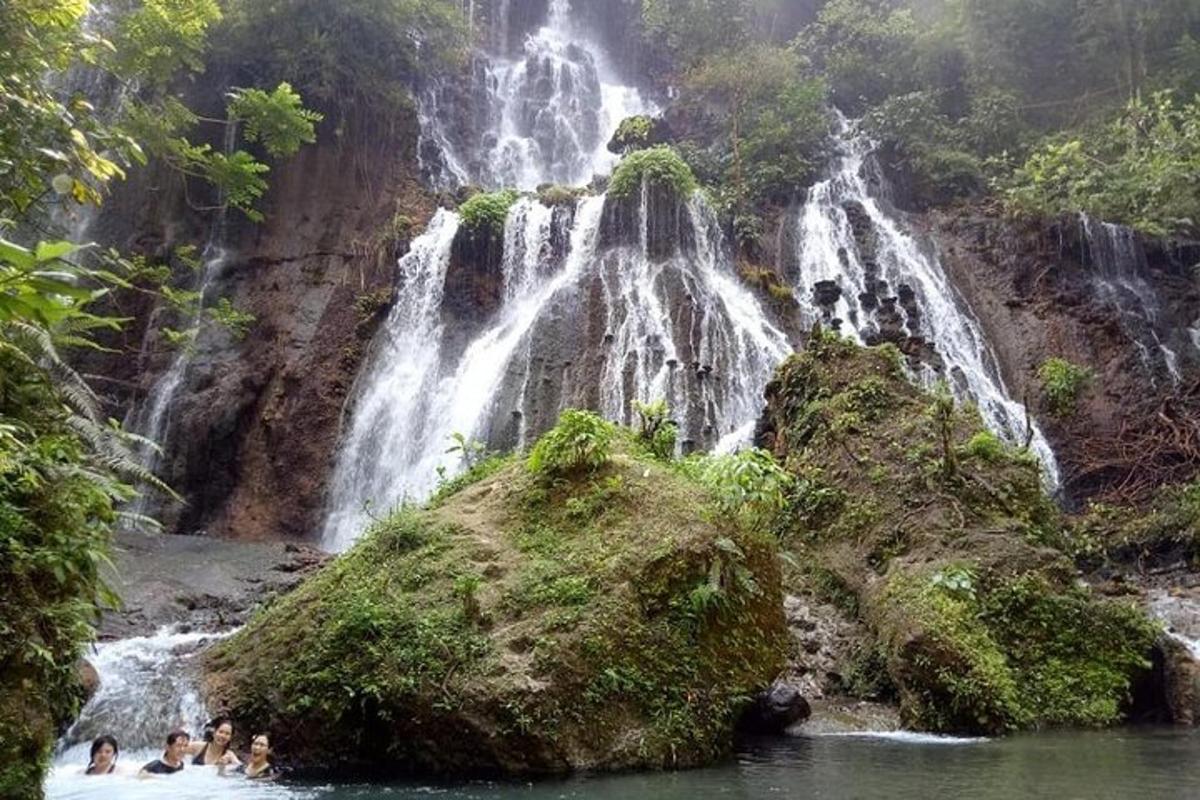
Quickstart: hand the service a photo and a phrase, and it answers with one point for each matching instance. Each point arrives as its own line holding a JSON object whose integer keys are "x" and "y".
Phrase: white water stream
{"x": 1118, "y": 270}
{"x": 676, "y": 326}
{"x": 849, "y": 243}
{"x": 548, "y": 113}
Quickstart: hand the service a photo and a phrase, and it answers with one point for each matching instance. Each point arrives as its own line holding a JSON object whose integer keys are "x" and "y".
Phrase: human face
{"x": 222, "y": 735}
{"x": 104, "y": 757}
{"x": 259, "y": 748}
{"x": 176, "y": 749}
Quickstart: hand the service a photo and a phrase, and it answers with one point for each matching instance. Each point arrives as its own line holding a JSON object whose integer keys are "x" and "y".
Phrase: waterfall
{"x": 1180, "y": 616}
{"x": 544, "y": 116}
{"x": 611, "y": 316}
{"x": 152, "y": 419}
{"x": 1118, "y": 269}
{"x": 862, "y": 273}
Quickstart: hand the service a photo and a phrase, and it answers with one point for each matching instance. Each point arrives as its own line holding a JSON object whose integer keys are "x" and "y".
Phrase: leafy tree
{"x": 1138, "y": 169}
{"x": 360, "y": 56}
{"x": 777, "y": 123}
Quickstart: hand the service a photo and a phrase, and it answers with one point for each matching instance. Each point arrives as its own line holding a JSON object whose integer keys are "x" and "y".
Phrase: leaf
{"x": 53, "y": 251}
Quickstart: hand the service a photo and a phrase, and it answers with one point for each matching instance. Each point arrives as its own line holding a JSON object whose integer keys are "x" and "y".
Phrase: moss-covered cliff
{"x": 602, "y": 620}
{"x": 940, "y": 538}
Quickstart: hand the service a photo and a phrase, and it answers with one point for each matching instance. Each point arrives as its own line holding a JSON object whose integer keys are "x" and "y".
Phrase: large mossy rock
{"x": 939, "y": 537}
{"x": 609, "y": 620}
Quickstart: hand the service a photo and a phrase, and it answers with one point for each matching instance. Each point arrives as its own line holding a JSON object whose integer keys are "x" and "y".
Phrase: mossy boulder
{"x": 938, "y": 536}
{"x": 522, "y": 624}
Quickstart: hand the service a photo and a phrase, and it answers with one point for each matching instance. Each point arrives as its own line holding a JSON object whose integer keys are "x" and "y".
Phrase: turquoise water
{"x": 1116, "y": 765}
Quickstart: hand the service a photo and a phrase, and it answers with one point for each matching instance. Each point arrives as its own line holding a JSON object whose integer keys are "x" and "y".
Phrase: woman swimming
{"x": 215, "y": 748}
{"x": 172, "y": 758}
{"x": 103, "y": 759}
{"x": 258, "y": 766}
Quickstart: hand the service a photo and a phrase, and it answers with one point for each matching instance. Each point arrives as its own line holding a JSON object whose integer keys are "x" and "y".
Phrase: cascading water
{"x": 861, "y": 272}
{"x": 152, "y": 420}
{"x": 543, "y": 117}
{"x": 1118, "y": 270}
{"x": 624, "y": 314}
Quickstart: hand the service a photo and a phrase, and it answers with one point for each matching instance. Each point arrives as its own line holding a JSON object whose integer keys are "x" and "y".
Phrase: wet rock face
{"x": 1038, "y": 292}
{"x": 250, "y": 436}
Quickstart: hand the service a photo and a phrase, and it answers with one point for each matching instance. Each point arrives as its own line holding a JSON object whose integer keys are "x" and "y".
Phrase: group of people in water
{"x": 215, "y": 749}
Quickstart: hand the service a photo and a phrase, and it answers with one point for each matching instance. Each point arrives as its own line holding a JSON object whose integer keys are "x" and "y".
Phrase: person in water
{"x": 258, "y": 767}
{"x": 103, "y": 760}
{"x": 215, "y": 748}
{"x": 172, "y": 758}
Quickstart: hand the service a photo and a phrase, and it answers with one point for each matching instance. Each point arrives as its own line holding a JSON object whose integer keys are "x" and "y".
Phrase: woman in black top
{"x": 172, "y": 758}
{"x": 103, "y": 760}
{"x": 258, "y": 766}
{"x": 215, "y": 747}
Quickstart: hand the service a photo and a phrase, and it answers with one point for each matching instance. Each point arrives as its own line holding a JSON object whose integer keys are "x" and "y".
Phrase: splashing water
{"x": 853, "y": 255}
{"x": 147, "y": 688}
{"x": 612, "y": 320}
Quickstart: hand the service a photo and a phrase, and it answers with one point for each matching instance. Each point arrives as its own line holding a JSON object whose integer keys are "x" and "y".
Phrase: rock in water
{"x": 603, "y": 620}
{"x": 775, "y": 710}
{"x": 89, "y": 679}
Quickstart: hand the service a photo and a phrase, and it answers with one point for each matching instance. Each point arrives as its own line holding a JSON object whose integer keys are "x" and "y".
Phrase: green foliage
{"x": 1062, "y": 384}
{"x": 986, "y": 446}
{"x": 657, "y": 166}
{"x": 580, "y": 441}
{"x": 1138, "y": 169}
{"x": 486, "y": 212}
{"x": 358, "y": 57}
{"x": 277, "y": 119}
{"x": 866, "y": 49}
{"x": 1018, "y": 652}
{"x": 481, "y": 470}
{"x": 656, "y": 429}
{"x": 632, "y": 134}
{"x": 563, "y": 613}
{"x": 777, "y": 120}
{"x": 749, "y": 483}
{"x": 926, "y": 144}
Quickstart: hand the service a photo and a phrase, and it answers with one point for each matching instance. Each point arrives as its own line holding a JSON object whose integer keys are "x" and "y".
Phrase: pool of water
{"x": 1128, "y": 763}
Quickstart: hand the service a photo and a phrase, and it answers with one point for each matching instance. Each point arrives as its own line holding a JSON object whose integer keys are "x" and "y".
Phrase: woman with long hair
{"x": 215, "y": 749}
{"x": 103, "y": 759}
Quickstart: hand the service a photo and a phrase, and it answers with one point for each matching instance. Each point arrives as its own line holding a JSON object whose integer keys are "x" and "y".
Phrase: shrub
{"x": 658, "y": 166}
{"x": 581, "y": 440}
{"x": 750, "y": 483}
{"x": 1062, "y": 384}
{"x": 657, "y": 431}
{"x": 485, "y": 213}
{"x": 632, "y": 134}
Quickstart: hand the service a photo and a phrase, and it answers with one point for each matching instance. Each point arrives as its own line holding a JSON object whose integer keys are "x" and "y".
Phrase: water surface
{"x": 1131, "y": 763}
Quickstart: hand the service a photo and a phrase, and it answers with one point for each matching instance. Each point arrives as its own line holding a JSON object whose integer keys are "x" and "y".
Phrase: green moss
{"x": 657, "y": 166}
{"x": 551, "y": 616}
{"x": 485, "y": 213}
{"x": 940, "y": 539}
{"x": 480, "y": 471}
{"x": 553, "y": 195}
{"x": 632, "y": 134}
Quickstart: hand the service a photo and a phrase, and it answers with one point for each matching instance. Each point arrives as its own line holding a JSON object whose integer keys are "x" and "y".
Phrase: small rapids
{"x": 147, "y": 688}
